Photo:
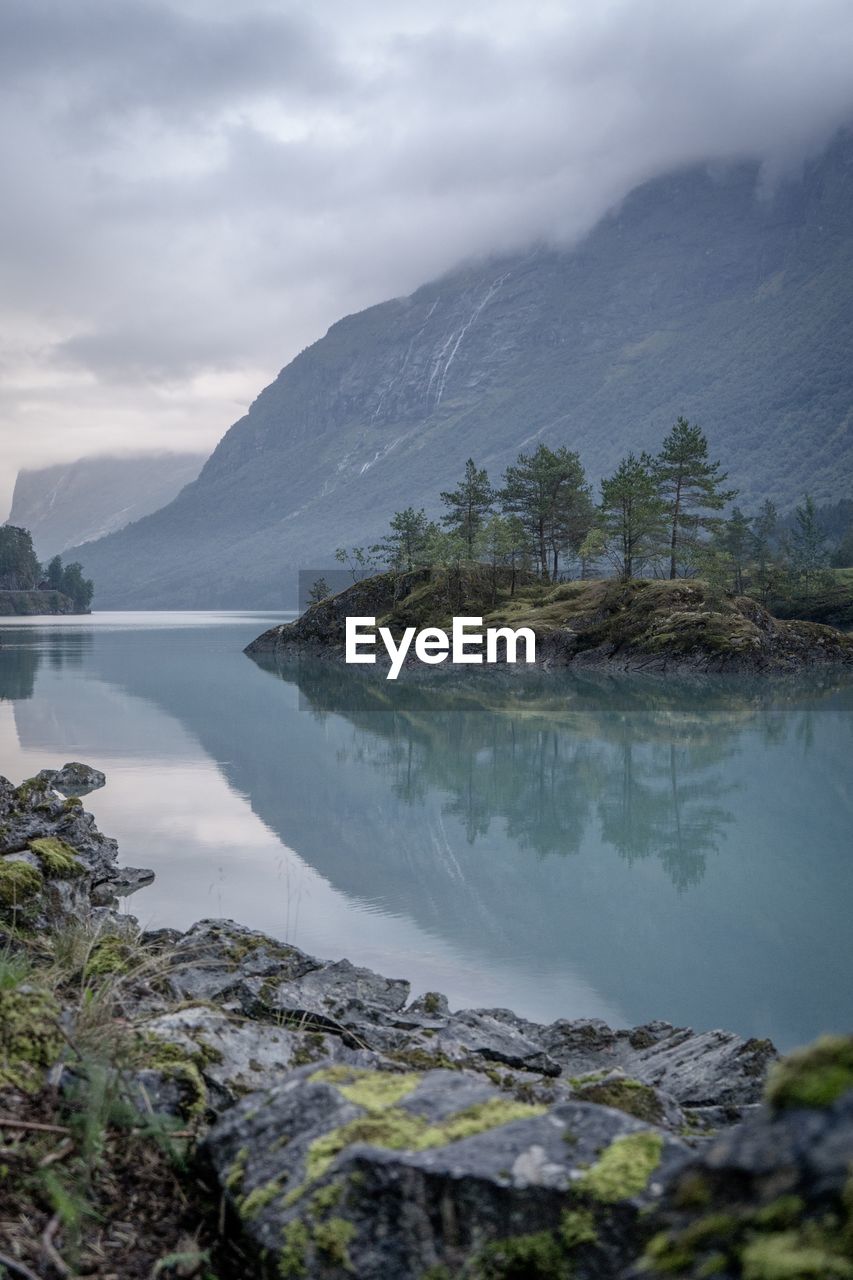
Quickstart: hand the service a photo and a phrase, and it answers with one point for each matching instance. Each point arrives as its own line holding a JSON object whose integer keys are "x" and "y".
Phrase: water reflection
{"x": 568, "y": 846}
{"x": 18, "y": 672}
{"x": 24, "y": 650}
{"x": 547, "y": 756}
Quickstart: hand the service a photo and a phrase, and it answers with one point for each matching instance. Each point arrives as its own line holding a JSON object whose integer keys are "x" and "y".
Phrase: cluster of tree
{"x": 658, "y": 516}
{"x": 835, "y": 521}
{"x": 20, "y": 570}
{"x": 70, "y": 581}
{"x": 19, "y": 566}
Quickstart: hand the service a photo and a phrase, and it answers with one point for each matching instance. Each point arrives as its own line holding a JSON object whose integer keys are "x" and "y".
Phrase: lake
{"x": 622, "y": 848}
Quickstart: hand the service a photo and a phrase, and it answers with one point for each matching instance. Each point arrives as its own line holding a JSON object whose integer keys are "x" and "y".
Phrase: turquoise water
{"x": 627, "y": 848}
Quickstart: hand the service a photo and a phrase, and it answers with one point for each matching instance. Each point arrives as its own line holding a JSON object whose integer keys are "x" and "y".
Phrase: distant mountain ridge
{"x": 694, "y": 296}
{"x": 76, "y": 502}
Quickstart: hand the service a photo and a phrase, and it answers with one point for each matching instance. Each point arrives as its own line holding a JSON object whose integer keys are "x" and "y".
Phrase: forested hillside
{"x": 703, "y": 295}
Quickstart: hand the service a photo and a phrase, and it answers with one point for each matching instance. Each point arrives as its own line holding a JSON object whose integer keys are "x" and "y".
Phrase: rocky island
{"x": 642, "y": 625}
{"x": 217, "y": 1103}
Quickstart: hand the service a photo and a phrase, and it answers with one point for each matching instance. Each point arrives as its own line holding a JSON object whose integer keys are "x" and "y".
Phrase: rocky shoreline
{"x": 35, "y": 603}
{"x": 683, "y": 626}
{"x": 338, "y": 1128}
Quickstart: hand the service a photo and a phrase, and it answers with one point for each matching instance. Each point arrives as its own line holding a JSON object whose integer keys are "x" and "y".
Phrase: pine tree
{"x": 469, "y": 503}
{"x": 547, "y": 492}
{"x": 76, "y": 587}
{"x": 503, "y": 543}
{"x": 735, "y": 540}
{"x": 407, "y": 544}
{"x": 842, "y": 556}
{"x": 19, "y": 566}
{"x": 807, "y": 547}
{"x": 764, "y": 540}
{"x": 690, "y": 485}
{"x": 360, "y": 561}
{"x": 632, "y": 514}
{"x": 54, "y": 574}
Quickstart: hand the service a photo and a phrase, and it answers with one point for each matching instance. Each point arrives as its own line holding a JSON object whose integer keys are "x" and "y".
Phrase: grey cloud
{"x": 194, "y": 190}
{"x": 96, "y": 55}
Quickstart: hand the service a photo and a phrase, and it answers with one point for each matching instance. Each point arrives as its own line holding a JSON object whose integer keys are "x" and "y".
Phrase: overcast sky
{"x": 193, "y": 190}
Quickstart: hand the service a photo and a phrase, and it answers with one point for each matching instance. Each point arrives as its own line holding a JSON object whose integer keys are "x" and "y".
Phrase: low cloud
{"x": 194, "y": 191}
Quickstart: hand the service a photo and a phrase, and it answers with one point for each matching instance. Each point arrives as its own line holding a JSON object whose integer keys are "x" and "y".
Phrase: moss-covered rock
{"x": 771, "y": 1199}
{"x": 385, "y": 1124}
{"x": 400, "y": 1173}
{"x": 624, "y": 1168}
{"x": 30, "y": 1038}
{"x": 57, "y": 858}
{"x": 20, "y": 884}
{"x": 631, "y": 1096}
{"x": 812, "y": 1077}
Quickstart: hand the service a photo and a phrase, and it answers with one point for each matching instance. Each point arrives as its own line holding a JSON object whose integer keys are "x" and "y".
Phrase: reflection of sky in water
{"x": 578, "y": 849}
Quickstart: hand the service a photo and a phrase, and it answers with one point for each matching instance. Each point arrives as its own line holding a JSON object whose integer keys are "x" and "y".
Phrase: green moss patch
{"x": 182, "y": 1065}
{"x": 399, "y": 1130}
{"x": 20, "y": 884}
{"x": 258, "y": 1199}
{"x": 30, "y": 1039}
{"x": 773, "y": 1242}
{"x": 293, "y": 1252}
{"x": 371, "y": 1090}
{"x": 110, "y": 954}
{"x": 531, "y": 1257}
{"x": 624, "y": 1168}
{"x": 788, "y": 1256}
{"x": 631, "y": 1096}
{"x": 386, "y": 1124}
{"x": 58, "y": 858}
{"x": 333, "y": 1239}
{"x": 812, "y": 1077}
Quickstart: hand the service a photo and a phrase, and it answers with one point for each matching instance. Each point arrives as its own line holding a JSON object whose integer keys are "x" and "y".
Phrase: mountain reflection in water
{"x": 627, "y": 848}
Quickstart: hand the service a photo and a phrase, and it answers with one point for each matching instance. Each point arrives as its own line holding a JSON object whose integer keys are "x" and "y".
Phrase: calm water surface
{"x": 625, "y": 849}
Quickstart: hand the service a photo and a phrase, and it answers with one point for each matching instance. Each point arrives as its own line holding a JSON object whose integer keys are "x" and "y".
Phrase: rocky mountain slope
{"x": 76, "y": 502}
{"x": 701, "y": 294}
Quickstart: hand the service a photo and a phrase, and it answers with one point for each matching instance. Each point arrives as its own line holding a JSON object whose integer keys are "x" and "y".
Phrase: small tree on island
{"x": 689, "y": 485}
{"x": 360, "y": 561}
{"x": 734, "y": 540}
{"x": 468, "y": 505}
{"x": 547, "y": 491}
{"x": 807, "y": 549}
{"x": 631, "y": 513}
{"x": 764, "y": 541}
{"x": 503, "y": 543}
{"x": 408, "y": 543}
{"x": 319, "y": 590}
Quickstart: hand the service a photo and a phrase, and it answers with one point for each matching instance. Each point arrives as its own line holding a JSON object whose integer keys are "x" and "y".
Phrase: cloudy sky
{"x": 193, "y": 190}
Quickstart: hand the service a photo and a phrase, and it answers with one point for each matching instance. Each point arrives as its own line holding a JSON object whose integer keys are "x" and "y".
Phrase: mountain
{"x": 76, "y": 502}
{"x": 702, "y": 294}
